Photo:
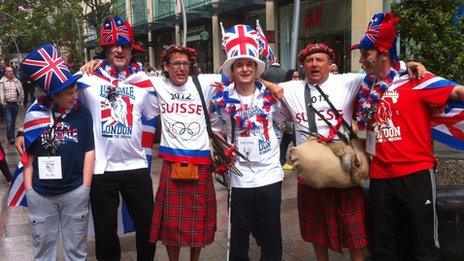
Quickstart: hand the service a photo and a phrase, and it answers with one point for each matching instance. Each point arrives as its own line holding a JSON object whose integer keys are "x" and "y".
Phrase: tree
{"x": 32, "y": 23}
{"x": 26, "y": 24}
{"x": 432, "y": 32}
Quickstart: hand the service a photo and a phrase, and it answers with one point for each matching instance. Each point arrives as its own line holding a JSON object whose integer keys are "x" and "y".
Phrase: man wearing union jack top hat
{"x": 60, "y": 158}
{"x": 120, "y": 98}
{"x": 247, "y": 109}
{"x": 398, "y": 113}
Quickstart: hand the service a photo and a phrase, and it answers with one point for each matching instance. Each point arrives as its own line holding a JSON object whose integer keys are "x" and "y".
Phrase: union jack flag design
{"x": 381, "y": 34}
{"x": 240, "y": 40}
{"x": 115, "y": 30}
{"x": 46, "y": 66}
{"x": 265, "y": 49}
{"x": 38, "y": 118}
{"x": 448, "y": 122}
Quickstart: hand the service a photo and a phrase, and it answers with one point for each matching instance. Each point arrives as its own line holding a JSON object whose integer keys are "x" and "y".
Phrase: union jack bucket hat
{"x": 241, "y": 41}
{"x": 48, "y": 69}
{"x": 116, "y": 31}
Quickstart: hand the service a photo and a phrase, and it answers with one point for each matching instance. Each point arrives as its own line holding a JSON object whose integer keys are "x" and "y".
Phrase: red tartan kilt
{"x": 332, "y": 217}
{"x": 184, "y": 213}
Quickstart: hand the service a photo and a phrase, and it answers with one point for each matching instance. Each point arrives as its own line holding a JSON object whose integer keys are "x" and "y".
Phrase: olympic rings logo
{"x": 183, "y": 131}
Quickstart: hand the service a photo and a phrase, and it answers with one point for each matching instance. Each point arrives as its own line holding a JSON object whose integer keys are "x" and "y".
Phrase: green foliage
{"x": 431, "y": 34}
{"x": 52, "y": 21}
{"x": 26, "y": 24}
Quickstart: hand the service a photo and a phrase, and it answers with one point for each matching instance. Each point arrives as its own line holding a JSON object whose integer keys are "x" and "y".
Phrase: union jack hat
{"x": 241, "y": 41}
{"x": 116, "y": 31}
{"x": 46, "y": 67}
{"x": 381, "y": 35}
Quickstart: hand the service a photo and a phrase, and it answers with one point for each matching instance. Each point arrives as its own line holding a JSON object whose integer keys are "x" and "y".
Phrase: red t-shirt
{"x": 402, "y": 129}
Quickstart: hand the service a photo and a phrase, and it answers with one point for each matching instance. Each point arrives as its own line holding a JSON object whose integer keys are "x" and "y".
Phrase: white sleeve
{"x": 151, "y": 106}
{"x": 217, "y": 123}
{"x": 206, "y": 82}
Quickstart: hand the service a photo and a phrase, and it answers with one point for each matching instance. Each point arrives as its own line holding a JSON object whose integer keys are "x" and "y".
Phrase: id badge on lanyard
{"x": 50, "y": 167}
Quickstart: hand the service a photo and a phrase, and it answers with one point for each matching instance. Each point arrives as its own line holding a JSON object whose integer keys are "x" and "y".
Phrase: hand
{"x": 91, "y": 66}
{"x": 276, "y": 90}
{"x": 20, "y": 145}
{"x": 278, "y": 93}
{"x": 416, "y": 70}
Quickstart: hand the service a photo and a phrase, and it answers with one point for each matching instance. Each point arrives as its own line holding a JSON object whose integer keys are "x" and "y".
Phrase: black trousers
{"x": 4, "y": 166}
{"x": 136, "y": 189}
{"x": 404, "y": 223}
{"x": 262, "y": 203}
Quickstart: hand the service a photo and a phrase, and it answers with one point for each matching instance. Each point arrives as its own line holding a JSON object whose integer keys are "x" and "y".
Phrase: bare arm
{"x": 91, "y": 66}
{"x": 20, "y": 145}
{"x": 89, "y": 163}
{"x": 28, "y": 172}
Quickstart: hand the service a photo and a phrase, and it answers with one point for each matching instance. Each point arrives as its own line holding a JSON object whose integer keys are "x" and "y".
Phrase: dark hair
{"x": 289, "y": 74}
{"x": 191, "y": 54}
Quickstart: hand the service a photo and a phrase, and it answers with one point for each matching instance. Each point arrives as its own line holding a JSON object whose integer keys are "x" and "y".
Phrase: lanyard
{"x": 51, "y": 142}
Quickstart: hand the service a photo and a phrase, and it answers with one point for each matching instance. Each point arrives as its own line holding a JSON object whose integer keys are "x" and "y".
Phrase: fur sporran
{"x": 331, "y": 165}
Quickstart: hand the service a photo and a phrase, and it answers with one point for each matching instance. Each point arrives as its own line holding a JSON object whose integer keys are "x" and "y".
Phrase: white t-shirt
{"x": 184, "y": 135}
{"x": 341, "y": 90}
{"x": 254, "y": 117}
{"x": 116, "y": 106}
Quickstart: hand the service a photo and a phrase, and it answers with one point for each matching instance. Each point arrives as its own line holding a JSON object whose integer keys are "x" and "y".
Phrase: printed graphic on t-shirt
{"x": 384, "y": 127}
{"x": 183, "y": 131}
{"x": 254, "y": 122}
{"x": 63, "y": 134}
{"x": 116, "y": 111}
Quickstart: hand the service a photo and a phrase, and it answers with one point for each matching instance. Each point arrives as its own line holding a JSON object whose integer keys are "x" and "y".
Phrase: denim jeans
{"x": 11, "y": 112}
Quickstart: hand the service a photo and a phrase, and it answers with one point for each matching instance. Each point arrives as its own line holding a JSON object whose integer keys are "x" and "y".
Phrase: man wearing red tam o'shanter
{"x": 329, "y": 217}
{"x": 398, "y": 111}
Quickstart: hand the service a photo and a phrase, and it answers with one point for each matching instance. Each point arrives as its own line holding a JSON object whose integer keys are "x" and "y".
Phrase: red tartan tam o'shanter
{"x": 316, "y": 48}
{"x": 116, "y": 31}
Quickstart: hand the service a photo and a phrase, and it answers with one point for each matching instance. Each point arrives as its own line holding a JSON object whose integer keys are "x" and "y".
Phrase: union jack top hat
{"x": 381, "y": 35}
{"x": 240, "y": 41}
{"x": 46, "y": 67}
{"x": 116, "y": 31}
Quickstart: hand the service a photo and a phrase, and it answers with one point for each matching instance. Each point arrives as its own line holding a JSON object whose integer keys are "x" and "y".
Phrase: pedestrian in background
{"x": 11, "y": 97}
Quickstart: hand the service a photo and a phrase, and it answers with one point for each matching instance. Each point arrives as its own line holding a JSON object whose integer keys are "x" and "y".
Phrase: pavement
{"x": 16, "y": 241}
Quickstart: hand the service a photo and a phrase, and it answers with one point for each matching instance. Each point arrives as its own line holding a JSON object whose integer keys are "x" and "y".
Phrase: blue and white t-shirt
{"x": 184, "y": 135}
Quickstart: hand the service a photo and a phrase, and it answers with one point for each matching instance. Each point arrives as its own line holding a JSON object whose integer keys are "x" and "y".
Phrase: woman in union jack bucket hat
{"x": 58, "y": 168}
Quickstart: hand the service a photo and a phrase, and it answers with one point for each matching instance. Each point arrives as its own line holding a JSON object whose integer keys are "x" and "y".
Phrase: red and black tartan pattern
{"x": 184, "y": 213}
{"x": 332, "y": 217}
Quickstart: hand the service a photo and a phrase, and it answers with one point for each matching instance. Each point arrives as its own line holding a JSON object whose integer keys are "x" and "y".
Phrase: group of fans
{"x": 89, "y": 137}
